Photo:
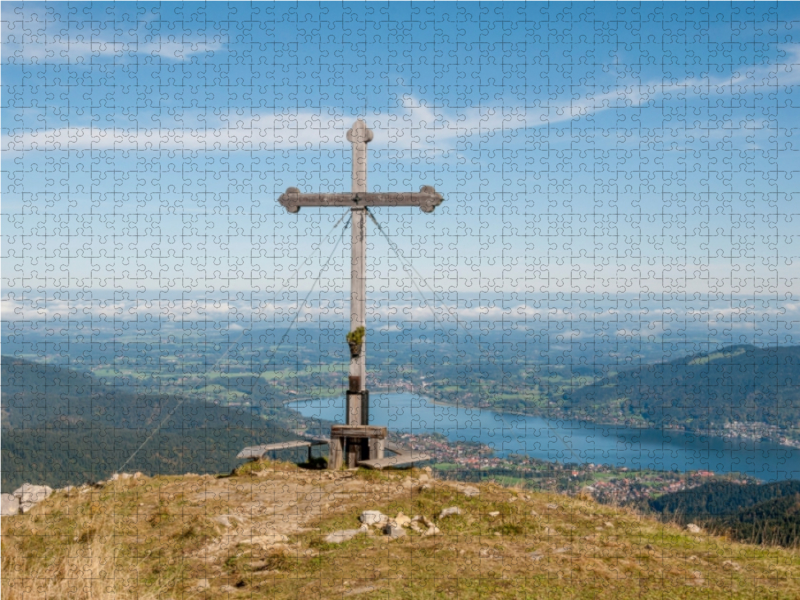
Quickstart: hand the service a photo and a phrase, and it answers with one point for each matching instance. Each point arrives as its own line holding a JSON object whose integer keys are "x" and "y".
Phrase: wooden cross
{"x": 358, "y": 200}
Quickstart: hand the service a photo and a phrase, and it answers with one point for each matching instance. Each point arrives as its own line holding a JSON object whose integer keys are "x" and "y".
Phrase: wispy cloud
{"x": 37, "y": 34}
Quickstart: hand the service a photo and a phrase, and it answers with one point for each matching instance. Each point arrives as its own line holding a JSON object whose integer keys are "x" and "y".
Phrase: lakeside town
{"x": 470, "y": 461}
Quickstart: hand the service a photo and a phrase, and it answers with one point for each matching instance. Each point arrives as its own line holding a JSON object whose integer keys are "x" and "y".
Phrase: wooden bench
{"x": 395, "y": 461}
{"x": 258, "y": 452}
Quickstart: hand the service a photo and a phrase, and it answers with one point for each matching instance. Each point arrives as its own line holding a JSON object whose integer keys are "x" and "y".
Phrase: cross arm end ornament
{"x": 427, "y": 198}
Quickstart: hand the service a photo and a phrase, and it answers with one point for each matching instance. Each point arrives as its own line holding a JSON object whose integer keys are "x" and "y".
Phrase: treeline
{"x": 61, "y": 426}
{"x": 760, "y": 514}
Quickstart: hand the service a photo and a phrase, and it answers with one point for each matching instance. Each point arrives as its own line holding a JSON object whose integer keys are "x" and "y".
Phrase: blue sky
{"x": 582, "y": 149}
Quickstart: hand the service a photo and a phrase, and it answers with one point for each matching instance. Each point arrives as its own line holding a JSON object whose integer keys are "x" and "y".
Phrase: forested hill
{"x": 736, "y": 384}
{"x": 62, "y": 426}
{"x": 759, "y": 514}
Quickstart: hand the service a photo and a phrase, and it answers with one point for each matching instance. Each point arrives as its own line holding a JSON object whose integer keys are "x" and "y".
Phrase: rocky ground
{"x": 274, "y": 530}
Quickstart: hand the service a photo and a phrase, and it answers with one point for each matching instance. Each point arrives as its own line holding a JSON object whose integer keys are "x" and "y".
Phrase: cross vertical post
{"x": 358, "y": 396}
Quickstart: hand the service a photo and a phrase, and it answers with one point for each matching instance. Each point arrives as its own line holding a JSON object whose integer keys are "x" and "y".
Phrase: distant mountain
{"x": 736, "y": 384}
{"x": 63, "y": 426}
{"x": 760, "y": 514}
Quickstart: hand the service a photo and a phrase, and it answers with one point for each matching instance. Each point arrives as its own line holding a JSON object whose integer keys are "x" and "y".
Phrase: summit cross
{"x": 358, "y": 200}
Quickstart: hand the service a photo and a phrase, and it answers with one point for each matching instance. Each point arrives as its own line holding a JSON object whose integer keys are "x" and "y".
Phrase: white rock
{"x": 494, "y": 513}
{"x": 692, "y": 528}
{"x": 30, "y": 495}
{"x": 470, "y": 491}
{"x": 9, "y": 505}
{"x": 337, "y": 537}
{"x": 416, "y": 527}
{"x": 552, "y": 506}
{"x": 453, "y": 510}
{"x": 432, "y": 530}
{"x": 373, "y": 517}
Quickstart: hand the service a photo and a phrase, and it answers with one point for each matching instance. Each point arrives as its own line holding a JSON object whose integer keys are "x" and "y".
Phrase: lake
{"x": 569, "y": 441}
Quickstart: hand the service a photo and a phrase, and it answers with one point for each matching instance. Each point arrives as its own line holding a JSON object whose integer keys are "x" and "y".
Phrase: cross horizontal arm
{"x": 426, "y": 198}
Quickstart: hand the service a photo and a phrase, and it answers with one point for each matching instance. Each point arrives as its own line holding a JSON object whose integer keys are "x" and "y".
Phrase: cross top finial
{"x": 359, "y": 133}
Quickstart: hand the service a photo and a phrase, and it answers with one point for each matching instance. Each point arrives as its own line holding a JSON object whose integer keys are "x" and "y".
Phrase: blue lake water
{"x": 570, "y": 441}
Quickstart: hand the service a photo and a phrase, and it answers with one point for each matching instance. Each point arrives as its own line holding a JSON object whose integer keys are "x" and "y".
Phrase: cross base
{"x": 356, "y": 443}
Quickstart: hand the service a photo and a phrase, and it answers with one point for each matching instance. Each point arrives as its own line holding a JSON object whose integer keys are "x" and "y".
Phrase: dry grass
{"x": 162, "y": 538}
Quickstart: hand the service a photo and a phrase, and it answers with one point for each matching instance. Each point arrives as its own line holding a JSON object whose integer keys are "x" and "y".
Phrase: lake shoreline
{"x": 681, "y": 430}
{"x": 561, "y": 440}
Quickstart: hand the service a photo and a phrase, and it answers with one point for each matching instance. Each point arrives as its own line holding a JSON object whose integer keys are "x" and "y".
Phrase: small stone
{"x": 453, "y": 510}
{"x": 552, "y": 506}
{"x": 732, "y": 566}
{"x": 432, "y": 530}
{"x": 424, "y": 477}
{"x": 362, "y": 590}
{"x": 561, "y": 550}
{"x": 394, "y": 531}
{"x": 609, "y": 524}
{"x": 536, "y": 556}
{"x": 534, "y": 513}
{"x": 470, "y": 491}
{"x": 692, "y": 528}
{"x": 415, "y": 526}
{"x": 9, "y": 505}
{"x": 649, "y": 547}
{"x": 344, "y": 535}
{"x": 494, "y": 513}
{"x": 402, "y": 520}
{"x": 223, "y": 520}
{"x": 202, "y": 584}
{"x": 373, "y": 517}
{"x": 513, "y": 499}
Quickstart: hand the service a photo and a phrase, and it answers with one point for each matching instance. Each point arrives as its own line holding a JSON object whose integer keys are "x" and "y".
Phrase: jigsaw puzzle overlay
{"x": 551, "y": 246}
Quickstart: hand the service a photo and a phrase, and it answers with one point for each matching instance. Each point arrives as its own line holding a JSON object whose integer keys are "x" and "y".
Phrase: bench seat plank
{"x": 394, "y": 461}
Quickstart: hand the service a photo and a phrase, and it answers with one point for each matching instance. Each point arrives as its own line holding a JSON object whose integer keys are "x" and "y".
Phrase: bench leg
{"x": 335, "y": 454}
{"x": 376, "y": 448}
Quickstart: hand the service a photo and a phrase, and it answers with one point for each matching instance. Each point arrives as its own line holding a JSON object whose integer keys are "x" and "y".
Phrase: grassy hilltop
{"x": 260, "y": 533}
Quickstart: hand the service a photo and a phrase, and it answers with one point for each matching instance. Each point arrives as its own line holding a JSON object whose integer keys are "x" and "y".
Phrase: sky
{"x": 607, "y": 152}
